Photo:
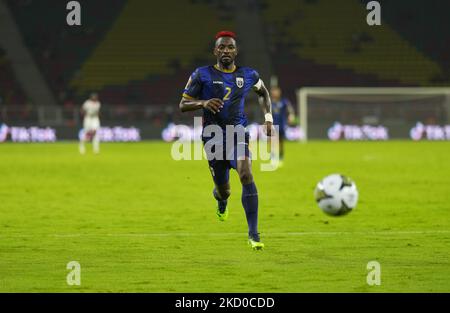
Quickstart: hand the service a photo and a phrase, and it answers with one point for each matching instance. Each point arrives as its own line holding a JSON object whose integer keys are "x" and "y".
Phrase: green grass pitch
{"x": 138, "y": 221}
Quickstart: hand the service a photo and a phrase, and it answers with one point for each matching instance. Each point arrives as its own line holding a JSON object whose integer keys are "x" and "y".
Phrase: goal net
{"x": 362, "y": 113}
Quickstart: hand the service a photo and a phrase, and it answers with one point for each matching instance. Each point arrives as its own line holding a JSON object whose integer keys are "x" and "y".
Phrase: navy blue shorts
{"x": 220, "y": 166}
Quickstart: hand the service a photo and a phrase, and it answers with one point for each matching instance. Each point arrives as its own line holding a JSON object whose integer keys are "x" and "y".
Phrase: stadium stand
{"x": 10, "y": 91}
{"x": 140, "y": 58}
{"x": 317, "y": 43}
{"x": 130, "y": 52}
{"x": 425, "y": 30}
{"x": 58, "y": 49}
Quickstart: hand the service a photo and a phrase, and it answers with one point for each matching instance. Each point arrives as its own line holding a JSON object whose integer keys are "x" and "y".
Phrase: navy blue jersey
{"x": 209, "y": 82}
{"x": 279, "y": 111}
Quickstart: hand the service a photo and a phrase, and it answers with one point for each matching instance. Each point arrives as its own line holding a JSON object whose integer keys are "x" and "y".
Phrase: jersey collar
{"x": 225, "y": 71}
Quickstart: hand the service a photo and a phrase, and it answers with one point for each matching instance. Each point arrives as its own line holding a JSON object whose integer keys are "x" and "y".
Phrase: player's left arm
{"x": 264, "y": 100}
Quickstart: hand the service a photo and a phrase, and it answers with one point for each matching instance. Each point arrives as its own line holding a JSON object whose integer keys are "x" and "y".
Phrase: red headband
{"x": 225, "y": 33}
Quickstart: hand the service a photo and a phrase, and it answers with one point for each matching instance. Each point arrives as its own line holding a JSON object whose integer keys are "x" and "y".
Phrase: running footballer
{"x": 219, "y": 90}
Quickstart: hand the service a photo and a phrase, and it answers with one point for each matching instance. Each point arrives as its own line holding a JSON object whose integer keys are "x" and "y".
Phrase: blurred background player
{"x": 283, "y": 114}
{"x": 91, "y": 123}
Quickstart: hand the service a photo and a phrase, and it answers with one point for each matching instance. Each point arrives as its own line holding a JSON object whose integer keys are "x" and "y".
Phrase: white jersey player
{"x": 91, "y": 123}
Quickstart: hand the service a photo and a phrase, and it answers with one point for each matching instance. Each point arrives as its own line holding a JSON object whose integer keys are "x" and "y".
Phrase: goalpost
{"x": 396, "y": 107}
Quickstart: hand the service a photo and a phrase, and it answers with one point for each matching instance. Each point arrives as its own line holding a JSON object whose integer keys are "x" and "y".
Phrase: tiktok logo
{"x": 3, "y": 132}
{"x": 417, "y": 132}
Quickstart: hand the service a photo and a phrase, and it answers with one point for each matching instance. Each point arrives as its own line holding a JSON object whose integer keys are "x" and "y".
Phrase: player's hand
{"x": 270, "y": 131}
{"x": 214, "y": 105}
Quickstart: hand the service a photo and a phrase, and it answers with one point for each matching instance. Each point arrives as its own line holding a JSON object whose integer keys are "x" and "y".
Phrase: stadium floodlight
{"x": 388, "y": 105}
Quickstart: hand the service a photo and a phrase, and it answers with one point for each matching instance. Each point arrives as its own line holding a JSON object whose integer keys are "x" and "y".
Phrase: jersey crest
{"x": 240, "y": 82}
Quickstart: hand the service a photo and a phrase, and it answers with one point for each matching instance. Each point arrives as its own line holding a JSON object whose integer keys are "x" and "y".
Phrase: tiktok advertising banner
{"x": 172, "y": 132}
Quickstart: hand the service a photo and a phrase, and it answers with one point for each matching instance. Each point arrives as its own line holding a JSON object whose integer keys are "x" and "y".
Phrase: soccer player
{"x": 219, "y": 90}
{"x": 283, "y": 114}
{"x": 91, "y": 123}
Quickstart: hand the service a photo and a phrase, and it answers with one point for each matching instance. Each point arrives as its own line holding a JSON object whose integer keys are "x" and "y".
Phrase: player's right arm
{"x": 189, "y": 101}
{"x": 264, "y": 100}
{"x": 214, "y": 105}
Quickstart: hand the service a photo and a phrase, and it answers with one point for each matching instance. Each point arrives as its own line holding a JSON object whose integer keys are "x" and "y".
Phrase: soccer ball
{"x": 336, "y": 194}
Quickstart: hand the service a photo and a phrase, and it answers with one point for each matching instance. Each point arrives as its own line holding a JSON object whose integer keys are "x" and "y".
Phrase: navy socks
{"x": 250, "y": 204}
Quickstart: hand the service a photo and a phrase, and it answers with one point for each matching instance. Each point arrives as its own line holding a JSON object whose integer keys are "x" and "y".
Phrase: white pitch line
{"x": 231, "y": 234}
